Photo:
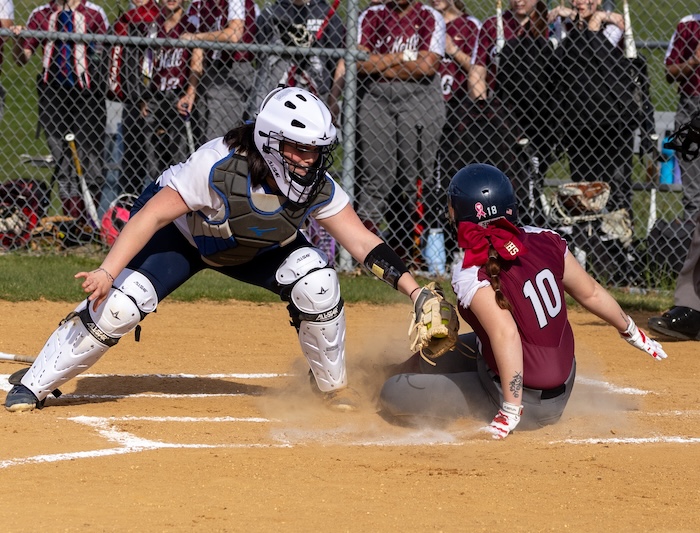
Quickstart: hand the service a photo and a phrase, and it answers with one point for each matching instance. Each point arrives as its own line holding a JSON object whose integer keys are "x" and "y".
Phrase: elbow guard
{"x": 385, "y": 263}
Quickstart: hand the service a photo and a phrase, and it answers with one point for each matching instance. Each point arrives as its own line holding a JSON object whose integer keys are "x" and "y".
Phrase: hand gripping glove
{"x": 505, "y": 420}
{"x": 434, "y": 325}
{"x": 637, "y": 338}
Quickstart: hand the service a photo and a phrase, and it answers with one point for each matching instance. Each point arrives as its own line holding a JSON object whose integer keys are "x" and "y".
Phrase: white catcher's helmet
{"x": 294, "y": 115}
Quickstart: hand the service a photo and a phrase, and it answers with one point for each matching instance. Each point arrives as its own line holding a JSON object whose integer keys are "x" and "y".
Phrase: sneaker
{"x": 20, "y": 399}
{"x": 344, "y": 400}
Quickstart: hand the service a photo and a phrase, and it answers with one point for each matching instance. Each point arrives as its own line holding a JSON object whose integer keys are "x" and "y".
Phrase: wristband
{"x": 384, "y": 263}
{"x": 512, "y": 409}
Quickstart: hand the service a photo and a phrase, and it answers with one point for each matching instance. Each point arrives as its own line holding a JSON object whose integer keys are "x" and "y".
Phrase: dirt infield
{"x": 208, "y": 424}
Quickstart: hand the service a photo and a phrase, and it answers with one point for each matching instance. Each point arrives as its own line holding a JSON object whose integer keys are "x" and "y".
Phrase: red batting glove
{"x": 637, "y": 338}
{"x": 505, "y": 420}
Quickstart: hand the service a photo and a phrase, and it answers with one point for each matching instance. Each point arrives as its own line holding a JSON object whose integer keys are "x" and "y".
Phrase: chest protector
{"x": 255, "y": 222}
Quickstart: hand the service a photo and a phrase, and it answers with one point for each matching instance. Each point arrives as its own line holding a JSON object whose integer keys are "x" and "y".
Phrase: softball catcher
{"x": 238, "y": 205}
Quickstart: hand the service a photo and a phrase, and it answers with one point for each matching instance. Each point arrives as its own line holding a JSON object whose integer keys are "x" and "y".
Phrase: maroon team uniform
{"x": 227, "y": 82}
{"x": 464, "y": 31}
{"x": 534, "y": 288}
{"x": 399, "y": 121}
{"x": 71, "y": 95}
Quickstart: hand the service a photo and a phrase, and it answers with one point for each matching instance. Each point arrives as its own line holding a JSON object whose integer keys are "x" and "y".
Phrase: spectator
{"x": 682, "y": 61}
{"x": 510, "y": 289}
{"x": 170, "y": 95}
{"x": 401, "y": 114}
{"x": 599, "y": 114}
{"x": 302, "y": 23}
{"x": 227, "y": 79}
{"x": 130, "y": 74}
{"x": 460, "y": 42}
{"x": 71, "y": 94}
{"x": 682, "y": 321}
{"x": 513, "y": 116}
{"x": 336, "y": 92}
{"x": 7, "y": 17}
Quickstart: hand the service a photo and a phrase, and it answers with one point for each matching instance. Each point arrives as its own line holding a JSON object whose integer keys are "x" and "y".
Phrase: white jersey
{"x": 192, "y": 181}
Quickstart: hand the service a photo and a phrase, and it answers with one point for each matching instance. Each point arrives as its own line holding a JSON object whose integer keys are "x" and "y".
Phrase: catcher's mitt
{"x": 584, "y": 197}
{"x": 434, "y": 324}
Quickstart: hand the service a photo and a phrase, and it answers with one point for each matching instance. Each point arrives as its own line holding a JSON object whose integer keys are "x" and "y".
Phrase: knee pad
{"x": 87, "y": 333}
{"x": 316, "y": 307}
{"x": 130, "y": 300}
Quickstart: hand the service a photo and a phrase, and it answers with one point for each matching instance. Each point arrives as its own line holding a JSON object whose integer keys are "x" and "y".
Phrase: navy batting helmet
{"x": 481, "y": 193}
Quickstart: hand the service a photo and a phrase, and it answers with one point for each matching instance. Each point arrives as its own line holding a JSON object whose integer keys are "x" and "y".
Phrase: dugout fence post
{"x": 349, "y": 117}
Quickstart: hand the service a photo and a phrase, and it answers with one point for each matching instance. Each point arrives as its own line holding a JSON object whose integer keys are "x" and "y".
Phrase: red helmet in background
{"x": 116, "y": 217}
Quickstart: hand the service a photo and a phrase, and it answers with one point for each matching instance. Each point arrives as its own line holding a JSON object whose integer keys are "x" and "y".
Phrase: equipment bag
{"x": 668, "y": 244}
{"x": 22, "y": 204}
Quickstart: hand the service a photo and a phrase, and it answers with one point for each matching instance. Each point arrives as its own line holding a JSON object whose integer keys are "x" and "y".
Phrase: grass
{"x": 25, "y": 277}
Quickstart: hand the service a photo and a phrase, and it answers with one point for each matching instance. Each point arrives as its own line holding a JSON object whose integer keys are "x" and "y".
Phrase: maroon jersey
{"x": 464, "y": 31}
{"x": 533, "y": 285}
{"x": 215, "y": 15}
{"x": 128, "y": 63}
{"x": 382, "y": 31}
{"x": 682, "y": 47}
{"x": 68, "y": 62}
{"x": 171, "y": 66}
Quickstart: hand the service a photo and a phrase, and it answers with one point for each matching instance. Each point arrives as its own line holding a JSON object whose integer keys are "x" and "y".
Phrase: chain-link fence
{"x": 98, "y": 101}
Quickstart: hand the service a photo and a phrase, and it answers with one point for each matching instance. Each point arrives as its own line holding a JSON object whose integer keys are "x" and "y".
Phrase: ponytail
{"x": 493, "y": 269}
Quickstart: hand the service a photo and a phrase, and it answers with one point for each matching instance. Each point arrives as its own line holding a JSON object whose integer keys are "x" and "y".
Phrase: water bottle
{"x": 434, "y": 252}
{"x": 668, "y": 162}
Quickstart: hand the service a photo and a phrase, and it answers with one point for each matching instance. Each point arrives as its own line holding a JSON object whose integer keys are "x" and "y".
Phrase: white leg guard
{"x": 86, "y": 334}
{"x": 317, "y": 311}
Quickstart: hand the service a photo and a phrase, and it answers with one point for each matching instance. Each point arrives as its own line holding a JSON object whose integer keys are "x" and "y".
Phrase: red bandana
{"x": 475, "y": 240}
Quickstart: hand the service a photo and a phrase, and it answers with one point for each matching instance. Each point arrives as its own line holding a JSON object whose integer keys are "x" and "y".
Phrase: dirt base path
{"x": 208, "y": 424}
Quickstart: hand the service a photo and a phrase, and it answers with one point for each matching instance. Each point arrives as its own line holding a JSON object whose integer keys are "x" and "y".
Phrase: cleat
{"x": 21, "y": 399}
{"x": 344, "y": 400}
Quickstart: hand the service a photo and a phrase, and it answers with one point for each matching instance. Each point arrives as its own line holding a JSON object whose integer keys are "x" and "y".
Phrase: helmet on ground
{"x": 481, "y": 193}
{"x": 294, "y": 117}
{"x": 115, "y": 218}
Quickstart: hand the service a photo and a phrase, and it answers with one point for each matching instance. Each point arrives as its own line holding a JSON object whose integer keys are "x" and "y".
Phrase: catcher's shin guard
{"x": 316, "y": 307}
{"x": 87, "y": 333}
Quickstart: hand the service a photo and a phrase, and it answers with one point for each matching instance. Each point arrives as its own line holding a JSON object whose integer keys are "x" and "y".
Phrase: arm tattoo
{"x": 516, "y": 384}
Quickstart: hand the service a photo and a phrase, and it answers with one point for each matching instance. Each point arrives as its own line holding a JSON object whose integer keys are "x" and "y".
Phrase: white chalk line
{"x": 129, "y": 443}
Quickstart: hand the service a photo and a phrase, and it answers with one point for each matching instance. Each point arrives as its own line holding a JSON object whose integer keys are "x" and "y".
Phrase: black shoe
{"x": 20, "y": 398}
{"x": 678, "y": 322}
